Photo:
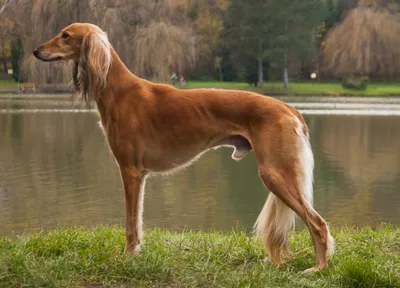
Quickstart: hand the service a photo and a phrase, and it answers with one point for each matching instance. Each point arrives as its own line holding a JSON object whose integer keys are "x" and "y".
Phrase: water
{"x": 56, "y": 170}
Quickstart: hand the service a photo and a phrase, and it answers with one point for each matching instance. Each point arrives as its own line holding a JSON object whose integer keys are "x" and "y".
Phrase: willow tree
{"x": 130, "y": 24}
{"x": 41, "y": 21}
{"x": 157, "y": 38}
{"x": 162, "y": 48}
{"x": 364, "y": 44}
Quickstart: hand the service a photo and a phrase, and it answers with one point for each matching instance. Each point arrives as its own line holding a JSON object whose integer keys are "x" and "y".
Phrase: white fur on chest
{"x": 102, "y": 128}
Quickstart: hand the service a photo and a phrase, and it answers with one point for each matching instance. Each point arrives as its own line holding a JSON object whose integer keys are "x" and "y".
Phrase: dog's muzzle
{"x": 44, "y": 56}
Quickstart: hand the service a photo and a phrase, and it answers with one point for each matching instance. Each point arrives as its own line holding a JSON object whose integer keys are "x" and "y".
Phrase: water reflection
{"x": 56, "y": 170}
{"x": 360, "y": 155}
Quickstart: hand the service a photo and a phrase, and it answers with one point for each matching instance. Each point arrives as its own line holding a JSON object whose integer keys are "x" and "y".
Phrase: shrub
{"x": 355, "y": 83}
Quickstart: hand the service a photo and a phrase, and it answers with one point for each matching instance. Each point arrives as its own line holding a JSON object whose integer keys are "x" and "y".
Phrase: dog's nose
{"x": 35, "y": 52}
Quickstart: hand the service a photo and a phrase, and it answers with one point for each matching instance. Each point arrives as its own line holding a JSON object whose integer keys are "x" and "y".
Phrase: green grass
{"x": 7, "y": 82}
{"x": 296, "y": 88}
{"x": 82, "y": 257}
{"x": 305, "y": 88}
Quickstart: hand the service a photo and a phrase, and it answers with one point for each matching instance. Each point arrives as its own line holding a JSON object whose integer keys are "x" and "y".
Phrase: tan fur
{"x": 272, "y": 225}
{"x": 155, "y": 128}
{"x": 92, "y": 68}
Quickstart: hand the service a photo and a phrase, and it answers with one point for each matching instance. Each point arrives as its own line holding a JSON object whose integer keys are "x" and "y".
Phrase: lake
{"x": 56, "y": 170}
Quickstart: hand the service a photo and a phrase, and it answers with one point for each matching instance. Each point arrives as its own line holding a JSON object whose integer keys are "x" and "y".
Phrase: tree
{"x": 162, "y": 48}
{"x": 294, "y": 32}
{"x": 40, "y": 21}
{"x": 158, "y": 38}
{"x": 333, "y": 13}
{"x": 246, "y": 30}
{"x": 273, "y": 30}
{"x": 207, "y": 19}
{"x": 16, "y": 57}
{"x": 130, "y": 25}
{"x": 7, "y": 26}
{"x": 364, "y": 44}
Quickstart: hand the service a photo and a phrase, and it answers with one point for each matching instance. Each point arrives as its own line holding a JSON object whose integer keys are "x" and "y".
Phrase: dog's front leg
{"x": 133, "y": 184}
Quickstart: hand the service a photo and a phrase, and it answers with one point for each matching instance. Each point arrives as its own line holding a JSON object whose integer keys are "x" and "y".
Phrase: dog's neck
{"x": 87, "y": 85}
{"x": 118, "y": 78}
{"x": 118, "y": 72}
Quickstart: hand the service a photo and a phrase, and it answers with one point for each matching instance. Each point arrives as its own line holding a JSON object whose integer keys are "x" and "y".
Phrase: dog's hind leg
{"x": 285, "y": 166}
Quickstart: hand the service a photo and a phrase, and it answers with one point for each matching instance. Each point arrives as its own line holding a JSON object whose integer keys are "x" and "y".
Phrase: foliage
{"x": 76, "y": 257}
{"x": 7, "y": 28}
{"x": 215, "y": 39}
{"x": 41, "y": 20}
{"x": 356, "y": 83}
{"x": 16, "y": 57}
{"x": 168, "y": 47}
{"x": 334, "y": 13}
{"x": 272, "y": 30}
{"x": 365, "y": 43}
{"x": 294, "y": 23}
{"x": 208, "y": 25}
{"x": 154, "y": 38}
{"x": 246, "y": 30}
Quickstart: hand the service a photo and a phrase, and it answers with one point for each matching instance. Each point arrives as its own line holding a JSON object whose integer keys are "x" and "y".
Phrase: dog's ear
{"x": 96, "y": 50}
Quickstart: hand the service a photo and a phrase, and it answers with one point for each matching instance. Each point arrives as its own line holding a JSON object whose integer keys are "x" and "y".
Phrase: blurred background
{"x": 215, "y": 40}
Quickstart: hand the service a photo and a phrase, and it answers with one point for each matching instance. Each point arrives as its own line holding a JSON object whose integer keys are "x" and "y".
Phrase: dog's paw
{"x": 131, "y": 249}
{"x": 311, "y": 270}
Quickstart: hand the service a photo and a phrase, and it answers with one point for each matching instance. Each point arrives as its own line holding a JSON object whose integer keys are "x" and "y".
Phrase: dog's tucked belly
{"x": 240, "y": 143}
{"x": 182, "y": 157}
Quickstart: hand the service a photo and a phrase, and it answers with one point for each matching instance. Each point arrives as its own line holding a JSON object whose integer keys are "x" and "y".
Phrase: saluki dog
{"x": 155, "y": 128}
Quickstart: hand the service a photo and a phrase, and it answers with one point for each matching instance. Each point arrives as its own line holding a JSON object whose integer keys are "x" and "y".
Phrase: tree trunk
{"x": 260, "y": 73}
{"x": 319, "y": 63}
{"x": 285, "y": 72}
{"x": 4, "y": 61}
{"x": 285, "y": 62}
{"x": 5, "y": 65}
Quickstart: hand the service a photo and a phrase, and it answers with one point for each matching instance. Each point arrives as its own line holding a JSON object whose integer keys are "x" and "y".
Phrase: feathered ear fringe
{"x": 90, "y": 72}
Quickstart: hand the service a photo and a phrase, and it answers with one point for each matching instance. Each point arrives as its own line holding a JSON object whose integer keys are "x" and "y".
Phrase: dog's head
{"x": 88, "y": 46}
{"x": 73, "y": 42}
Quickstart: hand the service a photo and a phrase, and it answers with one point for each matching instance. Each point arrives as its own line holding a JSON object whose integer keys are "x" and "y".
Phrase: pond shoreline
{"x": 275, "y": 95}
{"x": 93, "y": 257}
{"x": 274, "y": 89}
{"x": 307, "y": 105}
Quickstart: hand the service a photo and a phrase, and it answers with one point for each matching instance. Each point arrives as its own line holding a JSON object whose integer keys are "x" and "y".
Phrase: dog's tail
{"x": 272, "y": 225}
{"x": 276, "y": 218}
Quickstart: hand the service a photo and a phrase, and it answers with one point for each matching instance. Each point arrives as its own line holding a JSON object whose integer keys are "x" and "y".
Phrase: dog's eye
{"x": 64, "y": 35}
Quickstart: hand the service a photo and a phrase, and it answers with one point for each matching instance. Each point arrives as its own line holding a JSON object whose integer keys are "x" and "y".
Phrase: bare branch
{"x": 5, "y": 5}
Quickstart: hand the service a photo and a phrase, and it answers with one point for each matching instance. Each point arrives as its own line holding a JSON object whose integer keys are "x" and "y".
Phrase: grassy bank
{"x": 305, "y": 88}
{"x": 296, "y": 88}
{"x": 7, "y": 82}
{"x": 79, "y": 257}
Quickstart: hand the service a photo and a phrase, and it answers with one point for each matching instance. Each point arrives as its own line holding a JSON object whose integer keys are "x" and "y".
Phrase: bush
{"x": 355, "y": 83}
